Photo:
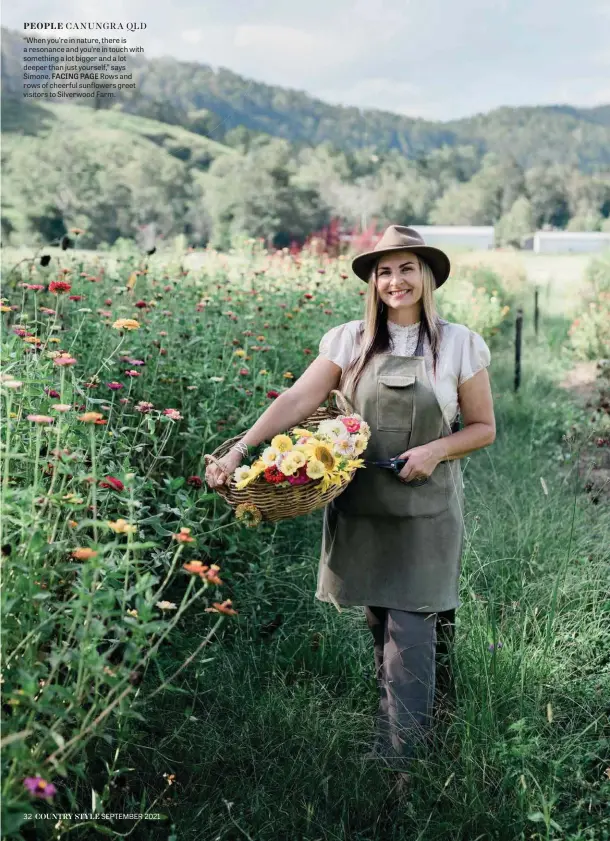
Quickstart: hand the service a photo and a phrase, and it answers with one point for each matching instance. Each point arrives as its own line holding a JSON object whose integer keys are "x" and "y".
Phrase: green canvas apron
{"x": 387, "y": 543}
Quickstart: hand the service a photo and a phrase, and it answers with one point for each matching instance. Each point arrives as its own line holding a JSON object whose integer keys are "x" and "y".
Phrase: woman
{"x": 393, "y": 542}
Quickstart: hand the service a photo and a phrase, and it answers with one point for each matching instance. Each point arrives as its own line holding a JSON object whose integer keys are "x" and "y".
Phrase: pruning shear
{"x": 396, "y": 464}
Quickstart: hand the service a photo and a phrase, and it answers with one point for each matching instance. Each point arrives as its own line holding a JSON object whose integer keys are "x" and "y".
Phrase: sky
{"x": 433, "y": 59}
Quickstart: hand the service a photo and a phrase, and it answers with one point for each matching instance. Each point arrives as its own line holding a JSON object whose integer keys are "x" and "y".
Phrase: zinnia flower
{"x": 90, "y": 417}
{"x": 174, "y": 414}
{"x": 112, "y": 483}
{"x": 184, "y": 536}
{"x": 195, "y": 481}
{"x": 59, "y": 286}
{"x": 126, "y": 324}
{"x": 222, "y": 608}
{"x": 40, "y": 418}
{"x": 122, "y": 527}
{"x": 114, "y": 386}
{"x": 64, "y": 359}
{"x": 83, "y": 553}
{"x": 39, "y": 787}
{"x": 248, "y": 514}
{"x": 165, "y": 605}
{"x": 143, "y": 407}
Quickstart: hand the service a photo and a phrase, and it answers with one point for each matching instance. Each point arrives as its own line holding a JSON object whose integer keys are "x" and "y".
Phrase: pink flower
{"x": 64, "y": 359}
{"x": 143, "y": 407}
{"x": 39, "y": 787}
{"x": 40, "y": 419}
{"x": 115, "y": 386}
{"x": 174, "y": 414}
{"x": 132, "y": 373}
{"x": 35, "y": 286}
{"x": 351, "y": 424}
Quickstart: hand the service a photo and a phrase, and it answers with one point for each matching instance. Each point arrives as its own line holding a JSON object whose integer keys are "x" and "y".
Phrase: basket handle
{"x": 208, "y": 458}
{"x": 342, "y": 402}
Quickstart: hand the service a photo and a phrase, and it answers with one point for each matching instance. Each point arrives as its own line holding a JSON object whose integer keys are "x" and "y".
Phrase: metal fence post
{"x": 518, "y": 332}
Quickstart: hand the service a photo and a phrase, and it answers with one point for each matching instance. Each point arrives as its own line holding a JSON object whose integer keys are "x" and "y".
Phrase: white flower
{"x": 344, "y": 447}
{"x": 270, "y": 455}
{"x": 334, "y": 430}
{"x": 241, "y": 473}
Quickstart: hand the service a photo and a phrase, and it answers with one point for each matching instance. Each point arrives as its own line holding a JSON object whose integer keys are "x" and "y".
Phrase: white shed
{"x": 472, "y": 236}
{"x": 562, "y": 241}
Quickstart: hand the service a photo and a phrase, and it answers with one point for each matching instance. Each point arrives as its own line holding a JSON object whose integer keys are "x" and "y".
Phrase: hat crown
{"x": 399, "y": 236}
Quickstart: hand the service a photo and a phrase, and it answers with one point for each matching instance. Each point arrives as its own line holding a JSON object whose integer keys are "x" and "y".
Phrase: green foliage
{"x": 589, "y": 334}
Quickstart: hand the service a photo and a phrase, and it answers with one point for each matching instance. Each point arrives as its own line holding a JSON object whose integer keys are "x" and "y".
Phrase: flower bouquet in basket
{"x": 301, "y": 470}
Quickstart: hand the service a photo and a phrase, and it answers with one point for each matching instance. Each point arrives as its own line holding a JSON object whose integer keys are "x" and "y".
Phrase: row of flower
{"x": 116, "y": 380}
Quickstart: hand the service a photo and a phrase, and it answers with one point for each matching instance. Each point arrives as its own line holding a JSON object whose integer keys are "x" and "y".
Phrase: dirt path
{"x": 589, "y": 384}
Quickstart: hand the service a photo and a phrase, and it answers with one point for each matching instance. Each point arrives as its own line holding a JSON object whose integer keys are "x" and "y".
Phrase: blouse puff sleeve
{"x": 475, "y": 356}
{"x": 337, "y": 344}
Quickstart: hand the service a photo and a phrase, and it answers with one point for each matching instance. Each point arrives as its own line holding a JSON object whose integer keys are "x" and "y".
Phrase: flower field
{"x": 123, "y": 573}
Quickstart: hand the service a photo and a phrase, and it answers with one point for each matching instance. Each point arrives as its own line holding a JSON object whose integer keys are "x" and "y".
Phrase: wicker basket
{"x": 287, "y": 502}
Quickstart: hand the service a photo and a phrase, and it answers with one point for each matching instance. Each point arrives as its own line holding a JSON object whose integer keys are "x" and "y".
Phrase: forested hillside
{"x": 213, "y": 156}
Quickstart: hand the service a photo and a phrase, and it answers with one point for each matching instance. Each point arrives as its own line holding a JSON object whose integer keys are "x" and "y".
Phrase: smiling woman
{"x": 395, "y": 546}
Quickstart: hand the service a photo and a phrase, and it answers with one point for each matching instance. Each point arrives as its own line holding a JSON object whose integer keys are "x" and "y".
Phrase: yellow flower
{"x": 239, "y": 352}
{"x": 263, "y": 371}
{"x": 133, "y": 613}
{"x": 122, "y": 527}
{"x": 282, "y": 443}
{"x": 126, "y": 324}
{"x": 54, "y": 339}
{"x": 164, "y": 605}
{"x": 32, "y": 340}
{"x": 248, "y": 514}
{"x": 289, "y": 465}
{"x": 315, "y": 469}
{"x": 5, "y": 309}
{"x": 288, "y": 375}
{"x": 323, "y": 453}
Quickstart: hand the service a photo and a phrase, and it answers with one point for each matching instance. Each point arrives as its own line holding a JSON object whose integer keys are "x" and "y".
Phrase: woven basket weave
{"x": 284, "y": 503}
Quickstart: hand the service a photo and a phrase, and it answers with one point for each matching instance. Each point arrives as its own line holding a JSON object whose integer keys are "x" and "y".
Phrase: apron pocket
{"x": 395, "y": 402}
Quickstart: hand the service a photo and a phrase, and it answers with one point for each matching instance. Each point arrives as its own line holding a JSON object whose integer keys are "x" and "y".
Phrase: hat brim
{"x": 438, "y": 261}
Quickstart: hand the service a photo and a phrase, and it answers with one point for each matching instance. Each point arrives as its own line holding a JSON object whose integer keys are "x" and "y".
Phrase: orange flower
{"x": 90, "y": 417}
{"x": 83, "y": 553}
{"x": 195, "y": 567}
{"x": 222, "y": 608}
{"x": 184, "y": 536}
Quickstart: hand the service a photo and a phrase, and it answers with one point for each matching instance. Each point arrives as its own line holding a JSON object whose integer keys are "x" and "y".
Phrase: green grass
{"x": 276, "y": 728}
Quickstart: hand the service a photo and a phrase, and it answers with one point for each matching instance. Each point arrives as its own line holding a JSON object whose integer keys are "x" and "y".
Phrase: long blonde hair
{"x": 374, "y": 334}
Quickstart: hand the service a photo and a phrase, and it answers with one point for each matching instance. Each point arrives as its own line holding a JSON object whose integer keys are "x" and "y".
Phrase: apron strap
{"x": 419, "y": 350}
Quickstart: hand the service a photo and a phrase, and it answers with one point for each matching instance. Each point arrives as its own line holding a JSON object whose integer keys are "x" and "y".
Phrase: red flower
{"x": 59, "y": 286}
{"x": 112, "y": 483}
{"x": 273, "y": 394}
{"x": 274, "y": 475}
{"x": 76, "y": 297}
{"x": 195, "y": 481}
{"x": 141, "y": 305}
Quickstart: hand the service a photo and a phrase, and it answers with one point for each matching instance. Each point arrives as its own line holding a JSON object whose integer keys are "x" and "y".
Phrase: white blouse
{"x": 462, "y": 354}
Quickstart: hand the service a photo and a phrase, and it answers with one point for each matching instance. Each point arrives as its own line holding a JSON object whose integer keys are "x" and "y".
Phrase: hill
{"x": 217, "y": 101}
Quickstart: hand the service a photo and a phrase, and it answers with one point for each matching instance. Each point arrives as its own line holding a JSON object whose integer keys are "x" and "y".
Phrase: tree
{"x": 516, "y": 224}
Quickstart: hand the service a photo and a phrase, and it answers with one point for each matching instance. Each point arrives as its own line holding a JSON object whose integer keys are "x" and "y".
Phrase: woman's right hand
{"x": 215, "y": 477}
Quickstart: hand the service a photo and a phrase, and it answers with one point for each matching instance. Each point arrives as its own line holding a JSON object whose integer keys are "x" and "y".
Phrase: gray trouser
{"x": 407, "y": 648}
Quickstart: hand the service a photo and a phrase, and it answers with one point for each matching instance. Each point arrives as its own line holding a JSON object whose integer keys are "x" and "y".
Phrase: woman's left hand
{"x": 421, "y": 462}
